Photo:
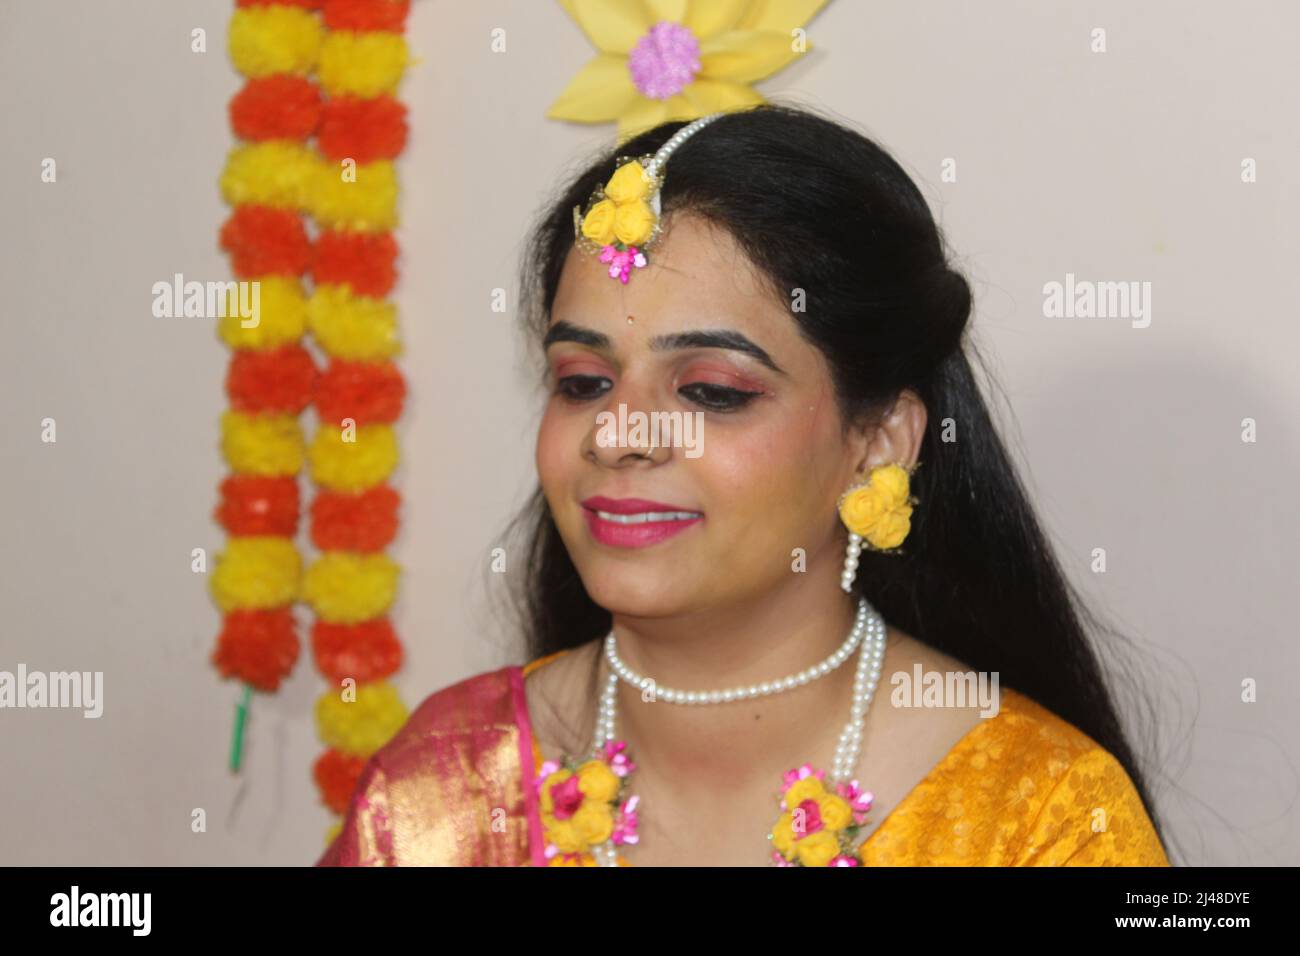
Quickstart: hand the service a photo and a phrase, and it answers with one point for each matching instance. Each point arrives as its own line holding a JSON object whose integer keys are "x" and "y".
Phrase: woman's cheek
{"x": 551, "y": 442}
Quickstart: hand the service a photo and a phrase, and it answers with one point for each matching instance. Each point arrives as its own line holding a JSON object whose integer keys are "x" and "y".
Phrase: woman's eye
{"x": 717, "y": 398}
{"x": 580, "y": 388}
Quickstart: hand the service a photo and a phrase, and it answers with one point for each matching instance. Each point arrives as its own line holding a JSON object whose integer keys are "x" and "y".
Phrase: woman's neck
{"x": 732, "y": 744}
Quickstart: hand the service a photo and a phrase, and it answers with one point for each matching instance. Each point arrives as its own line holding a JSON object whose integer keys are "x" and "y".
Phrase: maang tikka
{"x": 878, "y": 513}
{"x": 622, "y": 219}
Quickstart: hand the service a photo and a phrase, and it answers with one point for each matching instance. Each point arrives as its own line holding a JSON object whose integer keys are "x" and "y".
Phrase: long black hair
{"x": 821, "y": 208}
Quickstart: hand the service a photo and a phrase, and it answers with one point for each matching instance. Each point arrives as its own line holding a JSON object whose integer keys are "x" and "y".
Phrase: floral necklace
{"x": 587, "y": 812}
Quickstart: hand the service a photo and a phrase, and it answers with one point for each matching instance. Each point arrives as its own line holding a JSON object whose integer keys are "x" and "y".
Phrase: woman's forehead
{"x": 700, "y": 277}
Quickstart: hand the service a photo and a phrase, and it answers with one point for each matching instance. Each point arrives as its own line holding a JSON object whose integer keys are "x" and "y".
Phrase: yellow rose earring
{"x": 878, "y": 513}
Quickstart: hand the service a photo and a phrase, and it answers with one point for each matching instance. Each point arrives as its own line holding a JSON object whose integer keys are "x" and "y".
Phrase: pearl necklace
{"x": 868, "y": 631}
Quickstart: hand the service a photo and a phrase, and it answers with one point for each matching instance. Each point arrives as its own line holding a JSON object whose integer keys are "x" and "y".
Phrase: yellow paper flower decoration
{"x": 662, "y": 60}
{"x": 881, "y": 510}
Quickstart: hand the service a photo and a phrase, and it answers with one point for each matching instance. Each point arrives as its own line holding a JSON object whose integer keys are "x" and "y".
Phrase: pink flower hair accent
{"x": 621, "y": 262}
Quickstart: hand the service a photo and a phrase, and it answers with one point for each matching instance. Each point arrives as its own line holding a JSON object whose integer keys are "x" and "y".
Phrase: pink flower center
{"x": 665, "y": 60}
{"x": 812, "y": 819}
{"x": 567, "y": 798}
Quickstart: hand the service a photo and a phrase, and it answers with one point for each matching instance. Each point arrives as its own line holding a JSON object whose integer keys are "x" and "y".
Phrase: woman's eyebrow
{"x": 715, "y": 339}
{"x": 563, "y": 331}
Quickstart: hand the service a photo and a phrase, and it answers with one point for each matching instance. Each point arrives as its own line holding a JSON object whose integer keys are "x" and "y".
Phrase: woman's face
{"x": 657, "y": 532}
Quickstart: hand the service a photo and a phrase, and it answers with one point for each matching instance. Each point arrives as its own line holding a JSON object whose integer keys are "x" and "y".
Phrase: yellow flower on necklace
{"x": 662, "y": 60}
{"x": 818, "y": 849}
{"x": 598, "y": 782}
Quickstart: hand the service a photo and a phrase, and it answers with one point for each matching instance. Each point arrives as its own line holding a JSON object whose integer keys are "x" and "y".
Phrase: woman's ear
{"x": 894, "y": 437}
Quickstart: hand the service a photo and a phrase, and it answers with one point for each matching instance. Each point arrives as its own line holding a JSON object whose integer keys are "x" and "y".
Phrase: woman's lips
{"x": 635, "y": 522}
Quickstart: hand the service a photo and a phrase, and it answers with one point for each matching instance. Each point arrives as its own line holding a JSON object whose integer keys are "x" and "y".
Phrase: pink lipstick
{"x": 635, "y": 522}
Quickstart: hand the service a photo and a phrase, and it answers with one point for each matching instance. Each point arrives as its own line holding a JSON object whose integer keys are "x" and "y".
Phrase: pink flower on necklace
{"x": 791, "y": 777}
{"x": 616, "y": 757}
{"x": 841, "y": 860}
{"x": 812, "y": 818}
{"x": 546, "y": 769}
{"x": 621, "y": 262}
{"x": 859, "y": 800}
{"x": 567, "y": 797}
{"x": 625, "y": 827}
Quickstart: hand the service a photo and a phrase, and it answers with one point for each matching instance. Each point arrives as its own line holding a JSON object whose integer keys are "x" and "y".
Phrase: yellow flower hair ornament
{"x": 623, "y": 217}
{"x": 877, "y": 513}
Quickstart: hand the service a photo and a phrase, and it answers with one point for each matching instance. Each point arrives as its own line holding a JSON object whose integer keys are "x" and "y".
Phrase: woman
{"x": 777, "y": 281}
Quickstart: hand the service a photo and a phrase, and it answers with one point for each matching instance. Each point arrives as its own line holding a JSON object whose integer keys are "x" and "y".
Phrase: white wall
{"x": 1120, "y": 166}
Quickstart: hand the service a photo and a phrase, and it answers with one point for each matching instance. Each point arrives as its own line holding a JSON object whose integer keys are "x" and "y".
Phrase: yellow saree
{"x": 1023, "y": 788}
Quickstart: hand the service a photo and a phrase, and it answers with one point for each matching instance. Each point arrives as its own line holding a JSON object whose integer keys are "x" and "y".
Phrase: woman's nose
{"x": 624, "y": 432}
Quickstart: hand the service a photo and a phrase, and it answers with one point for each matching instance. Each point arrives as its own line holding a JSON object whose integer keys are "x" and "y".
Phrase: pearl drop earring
{"x": 851, "y": 562}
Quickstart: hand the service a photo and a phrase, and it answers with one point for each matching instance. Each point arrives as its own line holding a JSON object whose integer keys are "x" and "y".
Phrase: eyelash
{"x": 715, "y": 398}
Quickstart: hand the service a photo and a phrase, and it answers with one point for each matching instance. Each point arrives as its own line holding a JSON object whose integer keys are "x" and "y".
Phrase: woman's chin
{"x": 642, "y": 592}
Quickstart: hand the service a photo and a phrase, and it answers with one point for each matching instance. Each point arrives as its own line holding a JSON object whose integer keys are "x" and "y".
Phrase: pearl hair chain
{"x": 868, "y": 631}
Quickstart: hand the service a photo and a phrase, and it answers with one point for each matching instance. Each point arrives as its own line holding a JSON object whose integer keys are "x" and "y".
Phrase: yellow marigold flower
{"x": 364, "y": 203}
{"x": 598, "y": 224}
{"x": 344, "y": 587}
{"x": 634, "y": 222}
{"x": 565, "y": 835}
{"x": 354, "y": 327}
{"x": 365, "y": 64}
{"x": 818, "y": 849}
{"x": 269, "y": 445}
{"x": 809, "y": 788}
{"x": 274, "y": 39}
{"x": 281, "y": 315}
{"x": 628, "y": 184}
{"x": 783, "y": 835}
{"x": 256, "y": 572}
{"x": 835, "y": 812}
{"x": 595, "y": 821}
{"x": 352, "y": 466}
{"x": 573, "y": 859}
{"x": 362, "y": 725}
{"x": 276, "y": 173}
{"x": 597, "y": 781}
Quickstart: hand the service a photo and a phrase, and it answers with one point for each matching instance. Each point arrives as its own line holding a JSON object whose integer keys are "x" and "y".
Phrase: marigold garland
{"x": 289, "y": 51}
{"x": 355, "y": 521}
{"x": 352, "y": 197}
{"x": 254, "y": 505}
{"x": 271, "y": 377}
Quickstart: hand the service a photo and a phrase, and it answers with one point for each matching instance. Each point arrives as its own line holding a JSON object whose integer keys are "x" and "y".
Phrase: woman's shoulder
{"x": 1057, "y": 796}
{"x": 445, "y": 788}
